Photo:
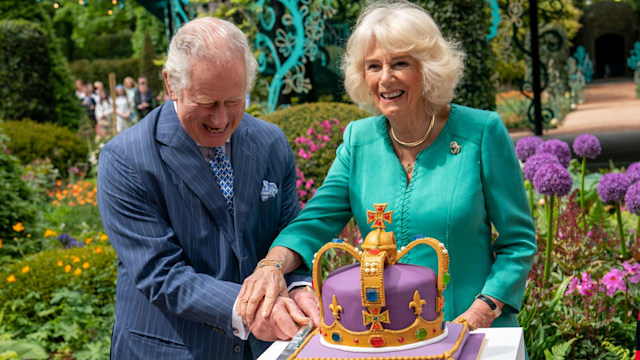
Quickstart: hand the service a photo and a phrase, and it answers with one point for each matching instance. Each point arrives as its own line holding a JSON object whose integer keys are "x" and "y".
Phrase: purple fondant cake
{"x": 379, "y": 309}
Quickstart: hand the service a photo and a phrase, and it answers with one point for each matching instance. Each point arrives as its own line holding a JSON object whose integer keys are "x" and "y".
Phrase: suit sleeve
{"x": 149, "y": 250}
{"x": 326, "y": 214}
{"x": 509, "y": 212}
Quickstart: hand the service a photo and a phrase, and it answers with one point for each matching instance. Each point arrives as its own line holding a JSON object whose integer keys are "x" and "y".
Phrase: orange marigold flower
{"x": 25, "y": 269}
{"x": 88, "y": 241}
{"x": 60, "y": 263}
{"x": 99, "y": 250}
{"x": 76, "y": 259}
{"x": 67, "y": 268}
{"x": 104, "y": 237}
{"x": 58, "y": 182}
{"x": 29, "y": 235}
{"x": 11, "y": 279}
{"x": 77, "y": 272}
{"x": 49, "y": 232}
{"x": 18, "y": 227}
{"x": 0, "y": 243}
{"x": 85, "y": 265}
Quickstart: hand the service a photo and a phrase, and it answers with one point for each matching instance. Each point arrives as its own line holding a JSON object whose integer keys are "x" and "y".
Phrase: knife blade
{"x": 295, "y": 342}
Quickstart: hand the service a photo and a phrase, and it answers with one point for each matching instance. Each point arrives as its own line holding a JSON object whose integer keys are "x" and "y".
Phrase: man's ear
{"x": 172, "y": 94}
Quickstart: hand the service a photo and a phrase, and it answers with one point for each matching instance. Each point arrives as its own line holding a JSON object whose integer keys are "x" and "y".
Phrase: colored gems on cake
{"x": 372, "y": 295}
{"x": 336, "y": 337}
{"x": 421, "y": 334}
{"x": 376, "y": 341}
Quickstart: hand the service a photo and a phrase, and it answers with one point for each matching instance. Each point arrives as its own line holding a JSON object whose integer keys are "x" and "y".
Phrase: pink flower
{"x": 301, "y": 152}
{"x": 313, "y": 192}
{"x": 614, "y": 281}
{"x": 306, "y": 156}
{"x": 302, "y": 139}
{"x": 632, "y": 272}
{"x": 336, "y": 121}
{"x": 302, "y": 193}
{"x": 589, "y": 233}
{"x": 310, "y": 131}
{"x": 298, "y": 183}
{"x": 309, "y": 184}
{"x": 313, "y": 148}
{"x": 573, "y": 286}
{"x": 326, "y": 138}
{"x": 588, "y": 285}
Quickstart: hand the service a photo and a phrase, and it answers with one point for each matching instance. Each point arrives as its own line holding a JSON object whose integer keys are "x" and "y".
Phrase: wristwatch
{"x": 494, "y": 308}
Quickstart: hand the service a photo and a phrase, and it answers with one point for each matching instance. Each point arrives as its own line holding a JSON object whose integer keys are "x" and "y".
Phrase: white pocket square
{"x": 269, "y": 190}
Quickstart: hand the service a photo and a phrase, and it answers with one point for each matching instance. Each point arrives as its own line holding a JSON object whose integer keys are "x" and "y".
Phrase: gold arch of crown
{"x": 373, "y": 258}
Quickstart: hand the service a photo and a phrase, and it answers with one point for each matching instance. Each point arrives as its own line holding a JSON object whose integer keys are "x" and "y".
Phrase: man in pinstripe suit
{"x": 183, "y": 250}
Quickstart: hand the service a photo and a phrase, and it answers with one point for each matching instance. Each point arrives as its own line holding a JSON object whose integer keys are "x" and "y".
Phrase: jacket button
{"x": 237, "y": 349}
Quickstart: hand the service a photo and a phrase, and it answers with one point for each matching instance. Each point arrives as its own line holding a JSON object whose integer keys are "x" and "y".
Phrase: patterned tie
{"x": 223, "y": 171}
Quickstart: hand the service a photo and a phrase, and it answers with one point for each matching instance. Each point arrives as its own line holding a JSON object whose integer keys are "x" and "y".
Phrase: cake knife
{"x": 295, "y": 342}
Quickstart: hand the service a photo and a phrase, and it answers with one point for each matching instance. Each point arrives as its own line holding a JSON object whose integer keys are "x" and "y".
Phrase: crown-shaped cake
{"x": 396, "y": 305}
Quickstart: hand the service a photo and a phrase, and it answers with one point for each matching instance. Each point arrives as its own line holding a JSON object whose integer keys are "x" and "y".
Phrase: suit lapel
{"x": 181, "y": 154}
{"x": 246, "y": 176}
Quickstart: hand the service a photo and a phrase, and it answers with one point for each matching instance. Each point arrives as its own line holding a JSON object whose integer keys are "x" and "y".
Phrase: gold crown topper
{"x": 379, "y": 251}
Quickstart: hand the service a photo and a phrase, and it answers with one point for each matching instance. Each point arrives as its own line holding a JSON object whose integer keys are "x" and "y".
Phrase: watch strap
{"x": 494, "y": 308}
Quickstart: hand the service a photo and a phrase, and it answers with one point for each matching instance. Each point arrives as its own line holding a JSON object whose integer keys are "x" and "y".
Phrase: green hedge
{"x": 30, "y": 141}
{"x": 90, "y": 71}
{"x": 25, "y": 70}
{"x": 67, "y": 107}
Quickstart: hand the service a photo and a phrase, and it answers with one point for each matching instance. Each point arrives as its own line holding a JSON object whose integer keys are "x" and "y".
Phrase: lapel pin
{"x": 455, "y": 148}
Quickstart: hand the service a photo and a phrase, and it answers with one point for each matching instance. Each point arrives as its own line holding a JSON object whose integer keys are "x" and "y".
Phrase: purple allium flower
{"x": 552, "y": 179}
{"x": 632, "y": 198}
{"x": 558, "y": 148}
{"x": 614, "y": 281}
{"x": 633, "y": 171}
{"x": 613, "y": 186}
{"x": 527, "y": 146}
{"x": 632, "y": 272}
{"x": 535, "y": 162}
{"x": 587, "y": 145}
{"x": 588, "y": 286}
{"x": 573, "y": 286}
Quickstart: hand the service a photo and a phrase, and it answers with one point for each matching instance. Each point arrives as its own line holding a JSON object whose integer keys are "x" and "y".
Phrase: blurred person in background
{"x": 130, "y": 88}
{"x": 123, "y": 109}
{"x": 144, "y": 99}
{"x": 104, "y": 114}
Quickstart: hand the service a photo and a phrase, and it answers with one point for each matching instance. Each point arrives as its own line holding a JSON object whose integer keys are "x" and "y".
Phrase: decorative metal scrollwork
{"x": 513, "y": 38}
{"x": 297, "y": 41}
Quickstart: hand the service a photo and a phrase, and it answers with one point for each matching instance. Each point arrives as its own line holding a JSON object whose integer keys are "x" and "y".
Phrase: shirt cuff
{"x": 296, "y": 284}
{"x": 239, "y": 328}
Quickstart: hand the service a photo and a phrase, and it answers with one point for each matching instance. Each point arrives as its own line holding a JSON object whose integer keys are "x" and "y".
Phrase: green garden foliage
{"x": 25, "y": 70}
{"x": 18, "y": 200}
{"x": 296, "y": 120}
{"x": 66, "y": 105}
{"x": 62, "y": 299}
{"x": 314, "y": 131}
{"x": 468, "y": 21}
{"x": 147, "y": 66}
{"x": 99, "y": 69}
{"x": 30, "y": 141}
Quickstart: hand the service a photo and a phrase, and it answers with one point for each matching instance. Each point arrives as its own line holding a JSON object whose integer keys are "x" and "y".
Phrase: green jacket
{"x": 453, "y": 198}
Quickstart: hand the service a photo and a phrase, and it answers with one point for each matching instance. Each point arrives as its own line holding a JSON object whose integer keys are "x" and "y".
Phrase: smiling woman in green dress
{"x": 447, "y": 171}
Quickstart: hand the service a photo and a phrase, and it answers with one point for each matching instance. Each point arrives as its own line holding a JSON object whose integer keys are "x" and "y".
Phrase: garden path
{"x": 610, "y": 111}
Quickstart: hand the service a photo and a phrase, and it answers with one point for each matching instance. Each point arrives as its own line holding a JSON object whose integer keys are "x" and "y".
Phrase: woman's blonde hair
{"x": 400, "y": 26}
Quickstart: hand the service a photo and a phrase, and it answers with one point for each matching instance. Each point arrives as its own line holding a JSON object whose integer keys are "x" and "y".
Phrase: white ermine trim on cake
{"x": 385, "y": 349}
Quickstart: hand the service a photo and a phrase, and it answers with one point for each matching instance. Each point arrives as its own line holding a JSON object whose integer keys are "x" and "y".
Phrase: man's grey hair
{"x": 211, "y": 41}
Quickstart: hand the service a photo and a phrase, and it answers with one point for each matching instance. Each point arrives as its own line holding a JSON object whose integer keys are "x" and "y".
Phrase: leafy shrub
{"x": 109, "y": 46}
{"x": 66, "y": 105}
{"x": 62, "y": 299}
{"x": 90, "y": 71}
{"x": 29, "y": 141}
{"x": 17, "y": 199}
{"x": 314, "y": 131}
{"x": 25, "y": 70}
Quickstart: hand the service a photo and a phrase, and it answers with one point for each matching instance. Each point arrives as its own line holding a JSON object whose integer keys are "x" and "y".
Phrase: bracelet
{"x": 494, "y": 308}
{"x": 279, "y": 264}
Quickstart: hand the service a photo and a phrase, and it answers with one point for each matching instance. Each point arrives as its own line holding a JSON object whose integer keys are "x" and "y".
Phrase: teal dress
{"x": 452, "y": 197}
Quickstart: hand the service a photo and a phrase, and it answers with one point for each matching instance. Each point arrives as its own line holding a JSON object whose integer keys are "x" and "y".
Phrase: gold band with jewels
{"x": 278, "y": 264}
{"x": 417, "y": 142}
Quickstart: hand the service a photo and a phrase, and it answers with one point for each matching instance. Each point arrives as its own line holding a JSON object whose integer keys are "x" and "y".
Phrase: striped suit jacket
{"x": 181, "y": 257}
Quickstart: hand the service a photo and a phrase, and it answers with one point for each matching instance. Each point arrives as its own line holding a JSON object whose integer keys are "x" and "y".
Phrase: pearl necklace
{"x": 417, "y": 142}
